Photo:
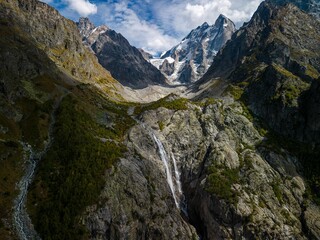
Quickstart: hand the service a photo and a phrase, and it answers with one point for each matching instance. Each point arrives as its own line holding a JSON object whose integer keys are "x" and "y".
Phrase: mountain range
{"x": 233, "y": 153}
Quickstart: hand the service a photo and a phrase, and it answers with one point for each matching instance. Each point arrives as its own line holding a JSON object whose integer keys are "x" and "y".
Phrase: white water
{"x": 20, "y": 216}
{"x": 166, "y": 162}
{"x": 21, "y": 219}
{"x": 177, "y": 174}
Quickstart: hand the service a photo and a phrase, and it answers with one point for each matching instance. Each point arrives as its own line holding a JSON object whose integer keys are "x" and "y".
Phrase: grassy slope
{"x": 71, "y": 175}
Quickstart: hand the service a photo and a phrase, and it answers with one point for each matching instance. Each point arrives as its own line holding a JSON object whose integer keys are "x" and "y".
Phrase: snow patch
{"x": 170, "y": 60}
{"x": 157, "y": 62}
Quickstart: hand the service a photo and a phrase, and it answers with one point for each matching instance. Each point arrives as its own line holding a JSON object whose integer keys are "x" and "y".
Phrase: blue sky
{"x": 155, "y": 25}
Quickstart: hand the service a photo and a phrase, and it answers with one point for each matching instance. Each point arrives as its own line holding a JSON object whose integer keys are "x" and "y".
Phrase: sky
{"x": 155, "y": 25}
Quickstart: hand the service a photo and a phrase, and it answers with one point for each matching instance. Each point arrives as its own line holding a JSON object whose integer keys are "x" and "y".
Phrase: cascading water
{"x": 21, "y": 219}
{"x": 177, "y": 174}
{"x": 166, "y": 161}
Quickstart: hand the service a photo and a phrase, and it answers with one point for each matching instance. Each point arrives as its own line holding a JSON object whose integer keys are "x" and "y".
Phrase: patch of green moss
{"x": 161, "y": 125}
{"x": 284, "y": 71}
{"x": 312, "y": 72}
{"x": 235, "y": 91}
{"x": 220, "y": 181}
{"x": 277, "y": 190}
{"x": 173, "y": 104}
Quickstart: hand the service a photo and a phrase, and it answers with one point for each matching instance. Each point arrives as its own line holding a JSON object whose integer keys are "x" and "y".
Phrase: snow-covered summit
{"x": 191, "y": 58}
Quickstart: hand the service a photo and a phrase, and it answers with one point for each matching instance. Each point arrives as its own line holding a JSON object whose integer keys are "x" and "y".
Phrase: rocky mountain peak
{"x": 191, "y": 58}
{"x": 223, "y": 21}
{"x": 125, "y": 62}
{"x": 85, "y": 26}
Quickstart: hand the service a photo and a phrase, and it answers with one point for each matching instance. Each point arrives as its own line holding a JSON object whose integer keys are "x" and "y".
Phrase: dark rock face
{"x": 310, "y": 6}
{"x": 279, "y": 60}
{"x": 125, "y": 62}
{"x": 192, "y": 57}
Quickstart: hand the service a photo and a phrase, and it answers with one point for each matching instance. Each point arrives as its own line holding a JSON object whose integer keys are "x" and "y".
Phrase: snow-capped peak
{"x": 191, "y": 58}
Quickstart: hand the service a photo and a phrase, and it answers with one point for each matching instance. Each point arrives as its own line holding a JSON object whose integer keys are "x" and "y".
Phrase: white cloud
{"x": 82, "y": 7}
{"x": 140, "y": 33}
{"x": 182, "y": 16}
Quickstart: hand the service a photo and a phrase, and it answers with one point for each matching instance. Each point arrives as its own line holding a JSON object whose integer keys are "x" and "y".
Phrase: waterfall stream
{"x": 20, "y": 216}
{"x": 177, "y": 174}
{"x": 175, "y": 186}
{"x": 21, "y": 219}
{"x": 165, "y": 160}
{"x": 172, "y": 180}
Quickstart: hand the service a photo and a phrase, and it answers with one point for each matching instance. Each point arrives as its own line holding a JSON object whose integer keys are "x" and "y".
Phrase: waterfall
{"x": 177, "y": 174}
{"x": 166, "y": 162}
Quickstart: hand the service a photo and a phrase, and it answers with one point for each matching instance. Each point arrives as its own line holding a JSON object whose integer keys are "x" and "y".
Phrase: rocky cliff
{"x": 191, "y": 58}
{"x": 235, "y": 183}
{"x": 124, "y": 61}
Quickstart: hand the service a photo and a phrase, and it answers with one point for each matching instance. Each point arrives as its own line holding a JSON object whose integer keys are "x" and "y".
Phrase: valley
{"x": 218, "y": 138}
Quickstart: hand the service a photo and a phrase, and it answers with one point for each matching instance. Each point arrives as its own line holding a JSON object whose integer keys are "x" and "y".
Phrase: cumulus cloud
{"x": 182, "y": 16}
{"x": 82, "y": 7}
{"x": 139, "y": 32}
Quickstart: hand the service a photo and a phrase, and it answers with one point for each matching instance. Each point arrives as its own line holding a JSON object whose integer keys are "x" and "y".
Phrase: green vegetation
{"x": 291, "y": 88}
{"x": 307, "y": 156}
{"x": 312, "y": 72}
{"x": 71, "y": 175}
{"x": 277, "y": 190}
{"x": 284, "y": 72}
{"x": 161, "y": 125}
{"x": 235, "y": 91}
{"x": 220, "y": 181}
{"x": 173, "y": 104}
{"x": 10, "y": 173}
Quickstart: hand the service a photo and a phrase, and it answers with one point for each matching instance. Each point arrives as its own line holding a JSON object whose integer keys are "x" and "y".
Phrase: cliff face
{"x": 235, "y": 182}
{"x": 42, "y": 59}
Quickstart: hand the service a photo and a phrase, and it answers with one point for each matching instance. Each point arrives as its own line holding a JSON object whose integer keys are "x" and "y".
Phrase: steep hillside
{"x": 124, "y": 61}
{"x": 191, "y": 58}
{"x": 277, "y": 61}
{"x": 42, "y": 59}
